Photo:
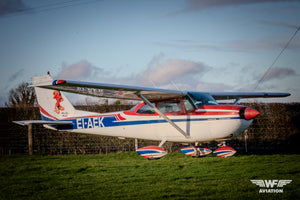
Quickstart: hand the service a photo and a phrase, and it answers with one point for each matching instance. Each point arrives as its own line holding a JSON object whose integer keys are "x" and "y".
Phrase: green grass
{"x": 129, "y": 176}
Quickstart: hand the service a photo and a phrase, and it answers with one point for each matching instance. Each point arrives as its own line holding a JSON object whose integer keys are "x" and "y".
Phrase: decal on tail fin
{"x": 52, "y": 103}
{"x": 59, "y": 99}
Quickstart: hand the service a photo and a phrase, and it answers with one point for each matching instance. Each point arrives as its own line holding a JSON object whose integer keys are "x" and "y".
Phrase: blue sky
{"x": 198, "y": 45}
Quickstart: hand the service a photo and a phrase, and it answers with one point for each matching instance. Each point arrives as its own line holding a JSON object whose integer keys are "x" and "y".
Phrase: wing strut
{"x": 237, "y": 100}
{"x": 163, "y": 115}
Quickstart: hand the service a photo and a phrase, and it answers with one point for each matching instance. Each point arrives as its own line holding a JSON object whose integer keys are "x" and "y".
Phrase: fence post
{"x": 136, "y": 144}
{"x": 30, "y": 140}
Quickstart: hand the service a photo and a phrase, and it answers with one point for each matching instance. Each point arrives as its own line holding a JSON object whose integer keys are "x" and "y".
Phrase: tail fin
{"x": 53, "y": 104}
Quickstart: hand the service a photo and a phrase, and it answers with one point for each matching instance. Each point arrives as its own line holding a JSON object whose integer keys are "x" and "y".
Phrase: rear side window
{"x": 145, "y": 110}
{"x": 169, "y": 106}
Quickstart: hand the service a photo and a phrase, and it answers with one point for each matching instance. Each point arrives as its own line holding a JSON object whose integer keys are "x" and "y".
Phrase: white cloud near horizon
{"x": 278, "y": 73}
{"x": 82, "y": 70}
{"x": 173, "y": 69}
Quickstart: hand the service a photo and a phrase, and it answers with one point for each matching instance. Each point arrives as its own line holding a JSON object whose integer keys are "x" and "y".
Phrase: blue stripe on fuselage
{"x": 111, "y": 121}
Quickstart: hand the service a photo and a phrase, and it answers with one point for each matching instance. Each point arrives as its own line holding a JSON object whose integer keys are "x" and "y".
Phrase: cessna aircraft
{"x": 164, "y": 115}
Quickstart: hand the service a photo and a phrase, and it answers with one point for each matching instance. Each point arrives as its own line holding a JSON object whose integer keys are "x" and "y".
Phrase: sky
{"x": 198, "y": 45}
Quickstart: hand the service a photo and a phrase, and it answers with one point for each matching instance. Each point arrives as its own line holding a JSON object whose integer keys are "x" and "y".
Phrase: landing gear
{"x": 196, "y": 151}
{"x": 152, "y": 152}
{"x": 224, "y": 151}
{"x": 200, "y": 151}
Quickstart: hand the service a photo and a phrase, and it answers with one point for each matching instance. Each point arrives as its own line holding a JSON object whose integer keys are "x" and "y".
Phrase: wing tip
{"x": 22, "y": 123}
{"x": 58, "y": 82}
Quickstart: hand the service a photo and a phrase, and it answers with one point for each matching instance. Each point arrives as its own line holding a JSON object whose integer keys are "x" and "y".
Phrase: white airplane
{"x": 164, "y": 115}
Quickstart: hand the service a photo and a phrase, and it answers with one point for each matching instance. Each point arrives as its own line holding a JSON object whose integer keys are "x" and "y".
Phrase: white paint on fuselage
{"x": 199, "y": 128}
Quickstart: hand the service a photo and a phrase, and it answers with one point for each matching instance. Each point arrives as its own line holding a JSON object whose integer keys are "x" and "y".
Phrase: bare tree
{"x": 22, "y": 96}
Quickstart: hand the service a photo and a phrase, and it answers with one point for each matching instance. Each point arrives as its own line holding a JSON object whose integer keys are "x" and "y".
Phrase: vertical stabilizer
{"x": 53, "y": 104}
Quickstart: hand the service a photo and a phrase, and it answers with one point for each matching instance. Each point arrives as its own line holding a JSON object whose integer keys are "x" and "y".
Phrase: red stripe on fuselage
{"x": 216, "y": 110}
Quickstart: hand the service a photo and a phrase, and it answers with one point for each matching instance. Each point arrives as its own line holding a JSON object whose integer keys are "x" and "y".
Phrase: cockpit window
{"x": 169, "y": 106}
{"x": 201, "y": 98}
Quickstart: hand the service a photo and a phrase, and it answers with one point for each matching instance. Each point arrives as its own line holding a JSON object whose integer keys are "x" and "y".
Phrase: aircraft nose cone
{"x": 248, "y": 113}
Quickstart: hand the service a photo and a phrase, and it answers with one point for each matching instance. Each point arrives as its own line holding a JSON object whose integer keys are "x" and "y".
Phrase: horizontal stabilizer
{"x": 27, "y": 122}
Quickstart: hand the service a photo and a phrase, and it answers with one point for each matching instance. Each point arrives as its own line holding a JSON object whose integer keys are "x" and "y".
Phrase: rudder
{"x": 53, "y": 104}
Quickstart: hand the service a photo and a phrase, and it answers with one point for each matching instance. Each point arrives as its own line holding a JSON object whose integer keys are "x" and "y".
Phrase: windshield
{"x": 201, "y": 98}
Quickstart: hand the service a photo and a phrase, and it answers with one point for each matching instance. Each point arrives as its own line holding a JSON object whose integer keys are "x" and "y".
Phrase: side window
{"x": 169, "y": 106}
{"x": 145, "y": 110}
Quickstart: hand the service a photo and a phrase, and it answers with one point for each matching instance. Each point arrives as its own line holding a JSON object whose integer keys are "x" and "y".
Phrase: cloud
{"x": 81, "y": 70}
{"x": 11, "y": 6}
{"x": 278, "y": 73}
{"x": 173, "y": 69}
{"x": 199, "y": 5}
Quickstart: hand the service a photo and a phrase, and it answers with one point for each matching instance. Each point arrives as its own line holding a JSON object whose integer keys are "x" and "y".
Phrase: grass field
{"x": 129, "y": 176}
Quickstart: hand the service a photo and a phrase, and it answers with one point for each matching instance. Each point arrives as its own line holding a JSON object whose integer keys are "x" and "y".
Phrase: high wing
{"x": 112, "y": 90}
{"x": 241, "y": 95}
{"x": 134, "y": 92}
